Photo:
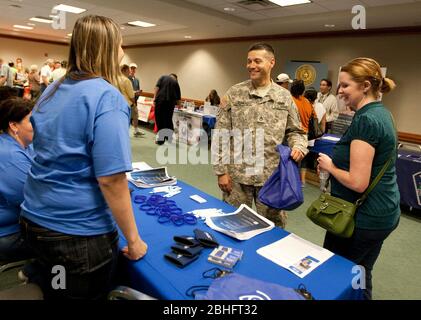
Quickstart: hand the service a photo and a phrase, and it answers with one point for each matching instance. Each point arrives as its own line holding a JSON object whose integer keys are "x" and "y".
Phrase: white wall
{"x": 201, "y": 68}
{"x": 31, "y": 52}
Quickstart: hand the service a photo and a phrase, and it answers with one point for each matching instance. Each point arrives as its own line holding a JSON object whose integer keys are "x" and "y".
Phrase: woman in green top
{"x": 357, "y": 159}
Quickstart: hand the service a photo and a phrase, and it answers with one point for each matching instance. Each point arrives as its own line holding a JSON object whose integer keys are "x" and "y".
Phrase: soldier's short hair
{"x": 262, "y": 46}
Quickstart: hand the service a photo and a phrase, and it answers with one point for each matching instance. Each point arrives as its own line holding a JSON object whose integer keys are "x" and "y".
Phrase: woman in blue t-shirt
{"x": 357, "y": 158}
{"x": 77, "y": 189}
{"x": 16, "y": 155}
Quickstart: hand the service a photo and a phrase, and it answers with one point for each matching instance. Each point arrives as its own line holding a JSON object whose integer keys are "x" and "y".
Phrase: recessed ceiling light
{"x": 30, "y": 24}
{"x": 285, "y": 3}
{"x": 187, "y": 37}
{"x": 63, "y": 7}
{"x": 329, "y": 25}
{"x": 41, "y": 19}
{"x": 122, "y": 28}
{"x": 229, "y": 9}
{"x": 22, "y": 27}
{"x": 142, "y": 24}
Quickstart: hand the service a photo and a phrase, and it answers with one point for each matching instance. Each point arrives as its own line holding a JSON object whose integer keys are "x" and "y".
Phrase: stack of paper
{"x": 242, "y": 224}
{"x": 295, "y": 254}
{"x": 151, "y": 178}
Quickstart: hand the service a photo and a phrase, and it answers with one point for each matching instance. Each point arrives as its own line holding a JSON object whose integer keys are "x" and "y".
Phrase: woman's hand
{"x": 135, "y": 250}
{"x": 324, "y": 163}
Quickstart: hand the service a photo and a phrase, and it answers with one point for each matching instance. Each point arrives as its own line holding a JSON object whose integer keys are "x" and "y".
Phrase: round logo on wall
{"x": 307, "y": 73}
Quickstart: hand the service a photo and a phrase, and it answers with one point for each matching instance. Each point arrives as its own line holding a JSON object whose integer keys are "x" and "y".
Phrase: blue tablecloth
{"x": 325, "y": 144}
{"x": 210, "y": 121}
{"x": 408, "y": 171}
{"x": 156, "y": 276}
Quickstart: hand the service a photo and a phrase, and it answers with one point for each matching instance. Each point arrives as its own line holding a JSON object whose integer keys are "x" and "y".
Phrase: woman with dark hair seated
{"x": 213, "y": 98}
{"x": 16, "y": 154}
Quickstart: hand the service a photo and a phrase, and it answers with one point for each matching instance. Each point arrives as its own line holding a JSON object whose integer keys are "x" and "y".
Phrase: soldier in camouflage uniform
{"x": 260, "y": 111}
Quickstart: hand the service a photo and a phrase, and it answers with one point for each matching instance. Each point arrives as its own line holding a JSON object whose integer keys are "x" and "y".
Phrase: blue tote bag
{"x": 283, "y": 189}
{"x": 238, "y": 287}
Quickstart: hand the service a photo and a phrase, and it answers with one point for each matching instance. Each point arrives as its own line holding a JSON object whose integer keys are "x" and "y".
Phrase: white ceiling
{"x": 207, "y": 19}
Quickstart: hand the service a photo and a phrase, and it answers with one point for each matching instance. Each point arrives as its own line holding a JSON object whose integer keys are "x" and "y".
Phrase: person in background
{"x": 126, "y": 90}
{"x": 16, "y": 154}
{"x": 137, "y": 91}
{"x": 46, "y": 74}
{"x": 213, "y": 98}
{"x": 309, "y": 161}
{"x": 367, "y": 145}
{"x": 266, "y": 112}
{"x": 76, "y": 191}
{"x": 33, "y": 81}
{"x": 283, "y": 80}
{"x": 167, "y": 95}
{"x": 306, "y": 111}
{"x": 4, "y": 72}
{"x": 59, "y": 70}
{"x": 329, "y": 101}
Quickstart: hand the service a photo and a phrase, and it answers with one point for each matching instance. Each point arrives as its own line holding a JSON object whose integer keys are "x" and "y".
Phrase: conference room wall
{"x": 202, "y": 67}
{"x": 31, "y": 52}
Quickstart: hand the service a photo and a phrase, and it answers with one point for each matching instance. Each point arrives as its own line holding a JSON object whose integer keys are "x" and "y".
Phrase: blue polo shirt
{"x": 15, "y": 162}
{"x": 80, "y": 133}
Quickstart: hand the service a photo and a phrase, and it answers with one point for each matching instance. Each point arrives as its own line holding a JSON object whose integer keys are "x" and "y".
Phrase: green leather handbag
{"x": 337, "y": 215}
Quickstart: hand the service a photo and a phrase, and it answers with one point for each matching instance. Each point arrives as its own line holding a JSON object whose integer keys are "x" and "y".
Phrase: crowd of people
{"x": 59, "y": 150}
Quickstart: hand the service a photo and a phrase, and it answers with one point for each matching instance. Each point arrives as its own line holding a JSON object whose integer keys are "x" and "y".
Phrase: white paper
{"x": 198, "y": 198}
{"x": 242, "y": 224}
{"x": 295, "y": 254}
{"x": 330, "y": 138}
{"x": 141, "y": 166}
{"x": 150, "y": 177}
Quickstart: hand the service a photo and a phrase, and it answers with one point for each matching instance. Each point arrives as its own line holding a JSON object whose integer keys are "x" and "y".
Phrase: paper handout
{"x": 242, "y": 224}
{"x": 295, "y": 254}
{"x": 151, "y": 178}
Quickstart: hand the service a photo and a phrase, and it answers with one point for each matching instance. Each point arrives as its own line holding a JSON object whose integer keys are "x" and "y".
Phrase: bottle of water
{"x": 323, "y": 176}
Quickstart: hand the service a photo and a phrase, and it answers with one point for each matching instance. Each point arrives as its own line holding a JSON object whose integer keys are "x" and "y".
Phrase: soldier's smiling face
{"x": 260, "y": 64}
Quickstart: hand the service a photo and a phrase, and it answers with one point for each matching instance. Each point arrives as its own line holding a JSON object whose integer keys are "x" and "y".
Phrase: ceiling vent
{"x": 255, "y": 4}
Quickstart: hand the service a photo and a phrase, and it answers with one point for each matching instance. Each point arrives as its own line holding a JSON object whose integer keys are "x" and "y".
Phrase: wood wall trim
{"x": 196, "y": 102}
{"x": 8, "y": 36}
{"x": 410, "y": 137}
{"x": 403, "y": 136}
{"x": 293, "y": 36}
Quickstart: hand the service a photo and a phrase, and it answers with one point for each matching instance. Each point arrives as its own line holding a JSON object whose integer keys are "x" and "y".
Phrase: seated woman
{"x": 16, "y": 154}
{"x": 213, "y": 98}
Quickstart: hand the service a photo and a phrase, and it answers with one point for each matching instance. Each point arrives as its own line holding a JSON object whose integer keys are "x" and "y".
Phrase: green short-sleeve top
{"x": 372, "y": 124}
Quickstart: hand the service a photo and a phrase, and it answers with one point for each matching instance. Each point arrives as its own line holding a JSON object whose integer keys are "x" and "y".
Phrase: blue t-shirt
{"x": 15, "y": 162}
{"x": 80, "y": 133}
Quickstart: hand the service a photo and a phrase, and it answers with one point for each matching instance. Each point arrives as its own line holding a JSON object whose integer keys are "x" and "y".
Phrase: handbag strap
{"x": 382, "y": 171}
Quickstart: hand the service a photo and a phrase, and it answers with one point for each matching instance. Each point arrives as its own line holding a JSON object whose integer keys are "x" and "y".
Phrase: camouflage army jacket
{"x": 255, "y": 125}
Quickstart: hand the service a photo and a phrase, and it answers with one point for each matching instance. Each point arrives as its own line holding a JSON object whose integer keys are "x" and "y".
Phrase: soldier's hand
{"x": 225, "y": 183}
{"x": 297, "y": 155}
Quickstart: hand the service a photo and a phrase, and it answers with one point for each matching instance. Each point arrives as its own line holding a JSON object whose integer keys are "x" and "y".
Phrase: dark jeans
{"x": 363, "y": 248}
{"x": 13, "y": 248}
{"x": 89, "y": 262}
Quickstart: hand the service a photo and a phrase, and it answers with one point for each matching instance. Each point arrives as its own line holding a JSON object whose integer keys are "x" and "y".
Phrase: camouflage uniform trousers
{"x": 242, "y": 193}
